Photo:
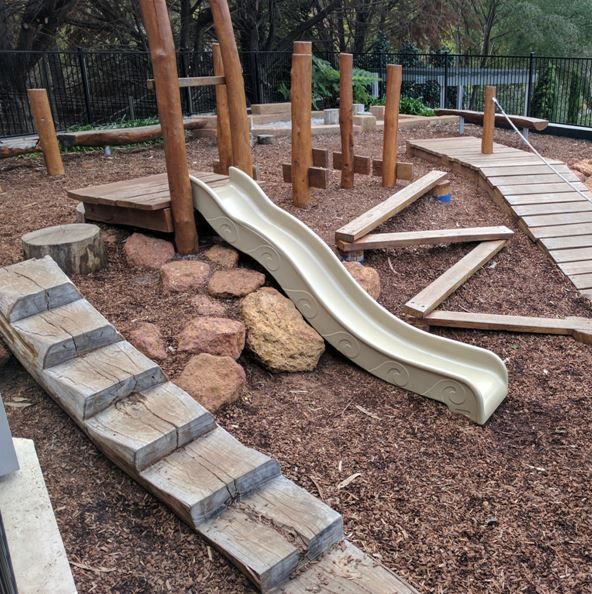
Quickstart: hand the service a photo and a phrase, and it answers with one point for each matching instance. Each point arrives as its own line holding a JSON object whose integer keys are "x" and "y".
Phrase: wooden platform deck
{"x": 548, "y": 208}
{"x": 143, "y": 202}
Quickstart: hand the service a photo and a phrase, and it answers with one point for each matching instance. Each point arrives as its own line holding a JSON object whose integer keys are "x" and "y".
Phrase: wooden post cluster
{"x": 394, "y": 77}
{"x": 346, "y": 125}
{"x": 222, "y": 116}
{"x": 488, "y": 121}
{"x": 168, "y": 99}
{"x": 301, "y": 101}
{"x": 45, "y": 128}
{"x": 237, "y": 102}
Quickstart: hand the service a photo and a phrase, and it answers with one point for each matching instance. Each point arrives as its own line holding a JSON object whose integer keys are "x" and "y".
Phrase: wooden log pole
{"x": 168, "y": 100}
{"x": 346, "y": 125}
{"x": 301, "y": 87}
{"x": 222, "y": 115}
{"x": 488, "y": 121}
{"x": 237, "y": 101}
{"x": 46, "y": 129}
{"x": 394, "y": 77}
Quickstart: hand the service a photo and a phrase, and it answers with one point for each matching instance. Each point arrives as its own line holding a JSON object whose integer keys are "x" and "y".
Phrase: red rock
{"x": 183, "y": 275}
{"x": 225, "y": 257}
{"x": 235, "y": 283}
{"x": 146, "y": 337}
{"x": 366, "y": 276}
{"x": 216, "y": 336}
{"x": 205, "y": 306}
{"x": 148, "y": 252}
{"x": 213, "y": 381}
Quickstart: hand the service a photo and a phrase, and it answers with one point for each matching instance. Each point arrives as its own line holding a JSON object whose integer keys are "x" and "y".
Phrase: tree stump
{"x": 76, "y": 248}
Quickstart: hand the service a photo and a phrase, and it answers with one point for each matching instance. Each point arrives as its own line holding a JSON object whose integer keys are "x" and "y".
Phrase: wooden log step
{"x": 30, "y": 287}
{"x": 138, "y": 431}
{"x": 572, "y": 255}
{"x": 521, "y": 180}
{"x": 58, "y": 335}
{"x": 571, "y": 268}
{"x": 510, "y": 190}
{"x": 316, "y": 526}
{"x": 347, "y": 570}
{"x": 563, "y": 243}
{"x": 558, "y": 208}
{"x": 557, "y": 219}
{"x": 201, "y": 478}
{"x": 520, "y": 200}
{"x": 434, "y": 237}
{"x": 264, "y": 555}
{"x": 436, "y": 292}
{"x": 372, "y": 218}
{"x": 88, "y": 384}
{"x": 567, "y": 230}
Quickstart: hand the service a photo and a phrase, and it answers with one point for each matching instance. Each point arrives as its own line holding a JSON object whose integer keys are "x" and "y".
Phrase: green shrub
{"x": 544, "y": 98}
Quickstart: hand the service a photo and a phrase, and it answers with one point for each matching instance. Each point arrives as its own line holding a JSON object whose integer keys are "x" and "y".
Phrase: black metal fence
{"x": 99, "y": 87}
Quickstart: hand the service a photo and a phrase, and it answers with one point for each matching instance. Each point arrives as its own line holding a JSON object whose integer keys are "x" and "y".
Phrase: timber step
{"x": 88, "y": 384}
{"x": 201, "y": 478}
{"x": 33, "y": 286}
{"x": 63, "y": 333}
{"x": 140, "y": 430}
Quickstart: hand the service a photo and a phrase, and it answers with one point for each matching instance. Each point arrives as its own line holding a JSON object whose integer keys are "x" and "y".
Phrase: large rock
{"x": 146, "y": 337}
{"x": 225, "y": 257}
{"x": 205, "y": 306}
{"x": 184, "y": 275}
{"x": 4, "y": 354}
{"x": 235, "y": 283}
{"x": 148, "y": 252}
{"x": 213, "y": 381}
{"x": 216, "y": 336}
{"x": 584, "y": 166}
{"x": 278, "y": 335}
{"x": 366, "y": 276}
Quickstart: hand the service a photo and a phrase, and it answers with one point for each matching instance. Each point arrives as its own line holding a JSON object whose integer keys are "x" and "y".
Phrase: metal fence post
{"x": 257, "y": 94}
{"x": 445, "y": 94}
{"x": 529, "y": 84}
{"x": 185, "y": 73}
{"x": 85, "y": 84}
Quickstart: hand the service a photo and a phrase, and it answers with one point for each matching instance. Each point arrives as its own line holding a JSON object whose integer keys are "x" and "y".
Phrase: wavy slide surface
{"x": 469, "y": 380}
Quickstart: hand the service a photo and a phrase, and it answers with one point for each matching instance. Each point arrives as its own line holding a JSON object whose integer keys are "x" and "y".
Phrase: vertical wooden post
{"x": 168, "y": 100}
{"x": 222, "y": 116}
{"x": 394, "y": 76}
{"x": 488, "y": 121}
{"x": 346, "y": 122}
{"x": 45, "y": 128}
{"x": 237, "y": 101}
{"x": 301, "y": 101}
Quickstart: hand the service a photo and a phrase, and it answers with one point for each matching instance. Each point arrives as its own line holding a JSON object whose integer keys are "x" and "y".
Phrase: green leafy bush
{"x": 544, "y": 98}
{"x": 414, "y": 106}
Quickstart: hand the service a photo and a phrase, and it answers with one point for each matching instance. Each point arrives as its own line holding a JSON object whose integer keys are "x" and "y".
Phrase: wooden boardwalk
{"x": 548, "y": 209}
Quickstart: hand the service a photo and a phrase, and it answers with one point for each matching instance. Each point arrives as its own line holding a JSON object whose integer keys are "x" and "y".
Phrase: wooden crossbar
{"x": 194, "y": 81}
{"x": 476, "y": 117}
{"x": 318, "y": 177}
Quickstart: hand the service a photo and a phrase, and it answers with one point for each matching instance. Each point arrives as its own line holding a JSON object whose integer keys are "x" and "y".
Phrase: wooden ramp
{"x": 235, "y": 497}
{"x": 143, "y": 202}
{"x": 547, "y": 207}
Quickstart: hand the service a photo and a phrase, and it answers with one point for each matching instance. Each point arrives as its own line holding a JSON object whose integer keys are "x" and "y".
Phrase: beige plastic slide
{"x": 469, "y": 380}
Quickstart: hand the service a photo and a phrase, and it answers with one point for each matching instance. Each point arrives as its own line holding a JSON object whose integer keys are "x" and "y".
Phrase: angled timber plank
{"x": 391, "y": 206}
{"x": 436, "y": 292}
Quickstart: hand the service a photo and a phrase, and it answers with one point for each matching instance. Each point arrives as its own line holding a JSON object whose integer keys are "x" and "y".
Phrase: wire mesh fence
{"x": 89, "y": 88}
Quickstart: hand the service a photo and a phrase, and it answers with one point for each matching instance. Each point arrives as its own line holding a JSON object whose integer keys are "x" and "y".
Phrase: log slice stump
{"x": 76, "y": 248}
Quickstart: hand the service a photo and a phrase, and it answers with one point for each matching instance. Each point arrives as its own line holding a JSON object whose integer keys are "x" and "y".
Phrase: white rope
{"x": 525, "y": 140}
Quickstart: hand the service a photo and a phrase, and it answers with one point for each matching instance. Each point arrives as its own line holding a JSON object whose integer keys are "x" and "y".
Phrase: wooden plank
{"x": 436, "y": 292}
{"x": 318, "y": 177}
{"x": 147, "y": 426}
{"x": 563, "y": 243}
{"x": 320, "y": 157}
{"x": 499, "y": 160}
{"x": 511, "y": 190}
{"x": 153, "y": 220}
{"x": 572, "y": 255}
{"x": 561, "y": 230}
{"x": 347, "y": 570}
{"x": 435, "y": 237}
{"x": 553, "y": 208}
{"x": 509, "y": 170}
{"x": 520, "y": 199}
{"x": 581, "y": 281}
{"x": 200, "y": 478}
{"x": 194, "y": 81}
{"x": 362, "y": 165}
{"x": 570, "y": 268}
{"x": 390, "y": 207}
{"x": 476, "y": 117}
{"x": 516, "y": 180}
{"x": 557, "y": 219}
{"x": 403, "y": 170}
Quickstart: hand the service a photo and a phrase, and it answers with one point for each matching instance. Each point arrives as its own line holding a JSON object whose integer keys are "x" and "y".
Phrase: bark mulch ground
{"x": 450, "y": 506}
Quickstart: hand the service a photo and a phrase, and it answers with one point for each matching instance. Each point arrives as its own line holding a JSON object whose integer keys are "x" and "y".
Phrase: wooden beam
{"x": 394, "y": 77}
{"x": 403, "y": 170}
{"x": 301, "y": 88}
{"x": 376, "y": 241}
{"x": 436, "y": 292}
{"x": 346, "y": 115}
{"x": 168, "y": 100}
{"x": 362, "y": 165}
{"x": 476, "y": 117}
{"x": 153, "y": 220}
{"x": 195, "y": 81}
{"x": 222, "y": 115}
{"x": 320, "y": 157}
{"x": 369, "y": 220}
{"x": 318, "y": 177}
{"x": 488, "y": 121}
{"x": 45, "y": 128}
{"x": 237, "y": 101}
